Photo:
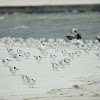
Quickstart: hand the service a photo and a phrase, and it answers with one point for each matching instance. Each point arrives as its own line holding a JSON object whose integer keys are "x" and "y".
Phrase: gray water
{"x": 53, "y": 25}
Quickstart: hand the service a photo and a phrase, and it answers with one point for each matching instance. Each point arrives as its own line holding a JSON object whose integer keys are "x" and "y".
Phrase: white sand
{"x": 79, "y": 72}
{"x": 45, "y": 2}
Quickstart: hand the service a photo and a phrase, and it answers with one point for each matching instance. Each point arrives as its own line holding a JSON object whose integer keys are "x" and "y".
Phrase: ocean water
{"x": 49, "y": 25}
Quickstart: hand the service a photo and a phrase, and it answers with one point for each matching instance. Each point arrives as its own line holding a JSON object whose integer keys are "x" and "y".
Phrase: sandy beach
{"x": 46, "y": 2}
{"x": 81, "y": 78}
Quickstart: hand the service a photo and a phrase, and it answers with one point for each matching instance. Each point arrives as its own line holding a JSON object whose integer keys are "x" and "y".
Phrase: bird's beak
{"x": 22, "y": 55}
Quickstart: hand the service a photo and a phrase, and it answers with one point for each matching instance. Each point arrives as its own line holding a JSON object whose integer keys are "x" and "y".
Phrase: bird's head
{"x": 74, "y": 30}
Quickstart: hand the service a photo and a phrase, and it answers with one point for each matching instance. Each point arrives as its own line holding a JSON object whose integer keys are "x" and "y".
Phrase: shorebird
{"x": 31, "y": 82}
{"x": 10, "y": 42}
{"x": 27, "y": 54}
{"x": 28, "y": 43}
{"x": 89, "y": 45}
{"x": 19, "y": 51}
{"x": 37, "y": 42}
{"x": 16, "y": 56}
{"x": 51, "y": 40}
{"x": 64, "y": 52}
{"x": 71, "y": 55}
{"x": 21, "y": 40}
{"x": 62, "y": 63}
{"x": 96, "y": 41}
{"x": 98, "y": 55}
{"x": 12, "y": 69}
{"x": 87, "y": 50}
{"x": 98, "y": 66}
{"x": 24, "y": 78}
{"x": 67, "y": 60}
{"x": 52, "y": 56}
{"x": 42, "y": 47}
{"x": 56, "y": 47}
{"x": 10, "y": 51}
{"x": 55, "y": 65}
{"x": 78, "y": 53}
{"x": 5, "y": 61}
{"x": 79, "y": 47}
{"x": 97, "y": 48}
{"x": 51, "y": 44}
{"x": 45, "y": 53}
{"x": 43, "y": 39}
{"x": 38, "y": 58}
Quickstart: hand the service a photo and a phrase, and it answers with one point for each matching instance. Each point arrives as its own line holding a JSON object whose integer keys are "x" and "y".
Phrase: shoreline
{"x": 50, "y": 8}
{"x": 46, "y": 2}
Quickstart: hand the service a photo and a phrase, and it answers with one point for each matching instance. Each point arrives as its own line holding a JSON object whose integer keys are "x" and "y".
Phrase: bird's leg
{"x": 27, "y": 57}
{"x": 32, "y": 86}
{"x": 13, "y": 73}
{"x": 25, "y": 82}
{"x": 56, "y": 69}
{"x": 5, "y": 65}
{"x": 18, "y": 59}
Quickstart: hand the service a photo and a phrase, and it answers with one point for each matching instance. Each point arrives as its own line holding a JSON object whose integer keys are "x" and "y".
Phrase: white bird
{"x": 52, "y": 56}
{"x": 31, "y": 82}
{"x": 5, "y": 61}
{"x": 64, "y": 52}
{"x": 24, "y": 79}
{"x": 98, "y": 55}
{"x": 79, "y": 47}
{"x": 10, "y": 51}
{"x": 19, "y": 51}
{"x": 67, "y": 60}
{"x": 16, "y": 56}
{"x": 78, "y": 53}
{"x": 21, "y": 40}
{"x": 71, "y": 55}
{"x": 87, "y": 50}
{"x": 97, "y": 48}
{"x": 55, "y": 65}
{"x": 27, "y": 54}
{"x": 45, "y": 53}
{"x": 42, "y": 47}
{"x": 62, "y": 63}
{"x": 56, "y": 47}
{"x": 10, "y": 42}
{"x": 43, "y": 39}
{"x": 98, "y": 66}
{"x": 28, "y": 43}
{"x": 51, "y": 40}
{"x": 12, "y": 69}
{"x": 38, "y": 58}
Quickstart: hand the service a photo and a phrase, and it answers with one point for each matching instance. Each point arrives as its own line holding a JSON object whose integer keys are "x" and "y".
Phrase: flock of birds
{"x": 43, "y": 45}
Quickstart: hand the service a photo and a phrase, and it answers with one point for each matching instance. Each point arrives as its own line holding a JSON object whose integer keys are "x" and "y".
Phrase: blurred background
{"x": 49, "y": 18}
